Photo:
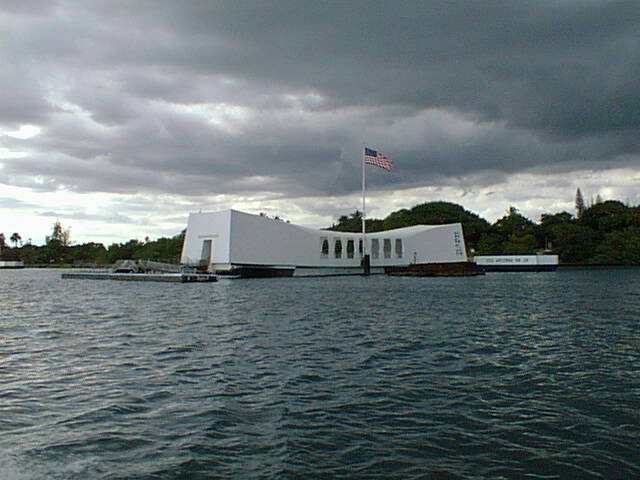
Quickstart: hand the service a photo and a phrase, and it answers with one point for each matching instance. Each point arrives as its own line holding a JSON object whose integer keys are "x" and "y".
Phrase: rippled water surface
{"x": 503, "y": 376}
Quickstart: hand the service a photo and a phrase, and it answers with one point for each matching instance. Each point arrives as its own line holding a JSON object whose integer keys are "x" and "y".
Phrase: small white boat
{"x": 517, "y": 263}
{"x": 11, "y": 264}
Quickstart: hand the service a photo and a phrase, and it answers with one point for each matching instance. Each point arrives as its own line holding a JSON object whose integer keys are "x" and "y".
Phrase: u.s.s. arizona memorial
{"x": 254, "y": 245}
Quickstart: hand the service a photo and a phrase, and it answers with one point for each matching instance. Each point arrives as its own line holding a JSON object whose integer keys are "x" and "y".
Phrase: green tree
{"x": 15, "y": 238}
{"x": 548, "y": 219}
{"x": 520, "y": 244}
{"x": 620, "y": 247}
{"x": 608, "y": 216}
{"x": 633, "y": 216}
{"x": 514, "y": 223}
{"x": 166, "y": 250}
{"x": 548, "y": 226}
{"x": 87, "y": 253}
{"x": 59, "y": 235}
{"x": 437, "y": 213}
{"x": 398, "y": 219}
{"x": 574, "y": 243}
{"x": 490, "y": 244}
{"x": 349, "y": 223}
{"x": 512, "y": 234}
{"x": 353, "y": 223}
{"x": 123, "y": 251}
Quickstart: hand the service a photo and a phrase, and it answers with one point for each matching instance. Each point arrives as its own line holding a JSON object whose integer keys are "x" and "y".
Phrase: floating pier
{"x": 144, "y": 277}
{"x": 145, "y": 271}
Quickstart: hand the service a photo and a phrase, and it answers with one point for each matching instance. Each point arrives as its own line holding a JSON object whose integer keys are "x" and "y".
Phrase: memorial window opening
{"x": 399, "y": 252}
{"x": 387, "y": 247}
{"x": 324, "y": 247}
{"x": 350, "y": 248}
{"x": 338, "y": 248}
{"x": 375, "y": 248}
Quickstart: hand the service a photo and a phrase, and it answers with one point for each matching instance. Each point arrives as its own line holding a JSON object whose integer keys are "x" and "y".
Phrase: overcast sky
{"x": 118, "y": 118}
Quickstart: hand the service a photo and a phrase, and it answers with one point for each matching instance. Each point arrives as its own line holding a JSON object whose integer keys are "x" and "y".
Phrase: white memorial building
{"x": 253, "y": 245}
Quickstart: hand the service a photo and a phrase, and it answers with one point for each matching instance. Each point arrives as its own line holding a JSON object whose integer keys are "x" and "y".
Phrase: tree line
{"x": 604, "y": 233}
{"x": 59, "y": 250}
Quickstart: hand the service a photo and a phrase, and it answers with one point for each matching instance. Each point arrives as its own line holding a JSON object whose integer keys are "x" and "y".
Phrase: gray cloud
{"x": 80, "y": 215}
{"x": 236, "y": 97}
{"x": 14, "y": 203}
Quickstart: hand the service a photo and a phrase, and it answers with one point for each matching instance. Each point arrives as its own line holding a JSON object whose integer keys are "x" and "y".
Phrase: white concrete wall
{"x": 260, "y": 240}
{"x": 436, "y": 244}
{"x": 202, "y": 226}
{"x": 240, "y": 238}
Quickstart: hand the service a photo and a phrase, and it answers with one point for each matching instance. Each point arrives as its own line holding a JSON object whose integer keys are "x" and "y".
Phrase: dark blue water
{"x": 506, "y": 376}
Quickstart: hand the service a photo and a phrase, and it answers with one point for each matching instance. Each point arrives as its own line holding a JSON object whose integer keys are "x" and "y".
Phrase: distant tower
{"x": 580, "y": 207}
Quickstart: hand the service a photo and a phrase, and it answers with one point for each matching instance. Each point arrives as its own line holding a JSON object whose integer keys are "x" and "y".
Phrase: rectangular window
{"x": 375, "y": 248}
{"x": 360, "y": 247}
{"x": 350, "y": 248}
{"x": 398, "y": 248}
{"x": 338, "y": 248}
{"x": 387, "y": 247}
{"x": 324, "y": 247}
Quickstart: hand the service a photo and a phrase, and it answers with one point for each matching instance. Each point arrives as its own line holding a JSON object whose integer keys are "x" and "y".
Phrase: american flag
{"x": 378, "y": 159}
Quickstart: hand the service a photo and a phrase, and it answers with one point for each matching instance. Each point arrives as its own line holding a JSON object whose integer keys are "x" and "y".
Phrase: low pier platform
{"x": 144, "y": 277}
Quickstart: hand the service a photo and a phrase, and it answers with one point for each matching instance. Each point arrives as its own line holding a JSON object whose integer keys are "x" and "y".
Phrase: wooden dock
{"x": 144, "y": 277}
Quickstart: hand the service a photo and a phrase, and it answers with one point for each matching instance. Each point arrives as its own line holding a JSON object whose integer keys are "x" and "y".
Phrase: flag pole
{"x": 365, "y": 257}
{"x": 363, "y": 205}
{"x": 378, "y": 159}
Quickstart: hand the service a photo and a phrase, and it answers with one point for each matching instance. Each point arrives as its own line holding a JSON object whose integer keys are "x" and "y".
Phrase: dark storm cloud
{"x": 561, "y": 67}
{"x": 202, "y": 97}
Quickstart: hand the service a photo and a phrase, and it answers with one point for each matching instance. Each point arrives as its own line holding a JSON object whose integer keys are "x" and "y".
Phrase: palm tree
{"x": 15, "y": 238}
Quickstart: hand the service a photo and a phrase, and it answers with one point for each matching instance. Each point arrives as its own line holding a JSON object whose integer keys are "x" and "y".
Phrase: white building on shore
{"x": 234, "y": 242}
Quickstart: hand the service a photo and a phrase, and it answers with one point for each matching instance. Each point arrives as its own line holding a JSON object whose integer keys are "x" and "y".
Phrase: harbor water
{"x": 503, "y": 376}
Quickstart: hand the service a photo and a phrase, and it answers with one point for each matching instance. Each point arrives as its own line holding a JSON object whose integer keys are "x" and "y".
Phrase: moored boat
{"x": 517, "y": 263}
{"x": 11, "y": 264}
